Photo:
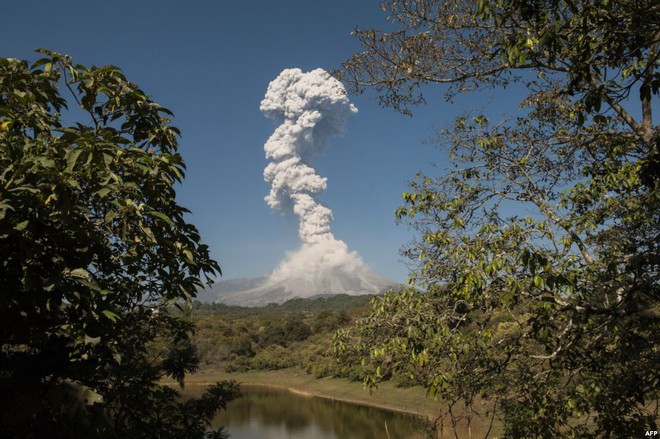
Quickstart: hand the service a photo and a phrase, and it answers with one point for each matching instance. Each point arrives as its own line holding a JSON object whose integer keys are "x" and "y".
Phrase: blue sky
{"x": 211, "y": 62}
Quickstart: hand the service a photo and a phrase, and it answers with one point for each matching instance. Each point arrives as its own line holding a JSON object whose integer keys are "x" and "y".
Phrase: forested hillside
{"x": 297, "y": 333}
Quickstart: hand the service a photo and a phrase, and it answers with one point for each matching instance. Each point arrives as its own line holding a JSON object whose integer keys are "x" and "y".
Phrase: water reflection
{"x": 269, "y": 413}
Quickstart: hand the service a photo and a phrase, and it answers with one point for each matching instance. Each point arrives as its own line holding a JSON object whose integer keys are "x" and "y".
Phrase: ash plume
{"x": 309, "y": 108}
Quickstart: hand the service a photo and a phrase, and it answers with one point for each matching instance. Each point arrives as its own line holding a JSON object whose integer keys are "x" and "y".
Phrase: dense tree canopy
{"x": 95, "y": 252}
{"x": 538, "y": 246}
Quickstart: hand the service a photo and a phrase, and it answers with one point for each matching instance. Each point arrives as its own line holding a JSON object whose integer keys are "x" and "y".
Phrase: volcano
{"x": 308, "y": 108}
{"x": 260, "y": 291}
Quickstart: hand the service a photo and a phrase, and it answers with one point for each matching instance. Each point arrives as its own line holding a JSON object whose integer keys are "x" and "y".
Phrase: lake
{"x": 270, "y": 413}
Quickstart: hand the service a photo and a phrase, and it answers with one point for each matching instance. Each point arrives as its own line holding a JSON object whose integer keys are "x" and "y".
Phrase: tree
{"x": 95, "y": 255}
{"x": 538, "y": 247}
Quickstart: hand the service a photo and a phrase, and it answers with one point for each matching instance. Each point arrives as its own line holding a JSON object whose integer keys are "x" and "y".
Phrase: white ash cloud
{"x": 313, "y": 261}
{"x": 309, "y": 108}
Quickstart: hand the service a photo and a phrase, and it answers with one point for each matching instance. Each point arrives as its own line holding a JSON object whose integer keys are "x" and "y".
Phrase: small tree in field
{"x": 94, "y": 253}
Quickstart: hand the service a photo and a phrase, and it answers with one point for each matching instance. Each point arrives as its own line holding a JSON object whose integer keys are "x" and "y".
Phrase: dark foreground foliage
{"x": 94, "y": 251}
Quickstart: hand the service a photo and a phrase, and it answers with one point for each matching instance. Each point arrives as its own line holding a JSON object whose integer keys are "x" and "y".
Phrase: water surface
{"x": 269, "y": 413}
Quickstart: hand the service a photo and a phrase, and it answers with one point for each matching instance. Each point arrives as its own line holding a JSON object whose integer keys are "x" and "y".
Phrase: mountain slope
{"x": 263, "y": 290}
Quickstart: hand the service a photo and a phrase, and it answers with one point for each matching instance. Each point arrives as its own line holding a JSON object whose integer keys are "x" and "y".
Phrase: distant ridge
{"x": 260, "y": 291}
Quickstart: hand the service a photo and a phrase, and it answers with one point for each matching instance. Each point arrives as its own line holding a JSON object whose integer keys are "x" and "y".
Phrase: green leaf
{"x": 161, "y": 216}
{"x": 80, "y": 273}
{"x": 21, "y": 226}
{"x": 101, "y": 193}
{"x": 110, "y": 315}
{"x": 72, "y": 158}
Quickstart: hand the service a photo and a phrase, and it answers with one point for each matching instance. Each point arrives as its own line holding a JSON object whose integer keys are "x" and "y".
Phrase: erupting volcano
{"x": 309, "y": 108}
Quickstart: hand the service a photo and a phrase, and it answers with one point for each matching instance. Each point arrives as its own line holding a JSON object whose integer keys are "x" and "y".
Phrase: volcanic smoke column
{"x": 310, "y": 108}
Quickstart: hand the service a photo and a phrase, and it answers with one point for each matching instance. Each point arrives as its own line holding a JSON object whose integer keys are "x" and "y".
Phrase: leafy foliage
{"x": 95, "y": 252}
{"x": 601, "y": 49}
{"x": 538, "y": 247}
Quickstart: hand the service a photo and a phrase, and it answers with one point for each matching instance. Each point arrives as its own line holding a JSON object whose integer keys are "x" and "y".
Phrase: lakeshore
{"x": 404, "y": 400}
